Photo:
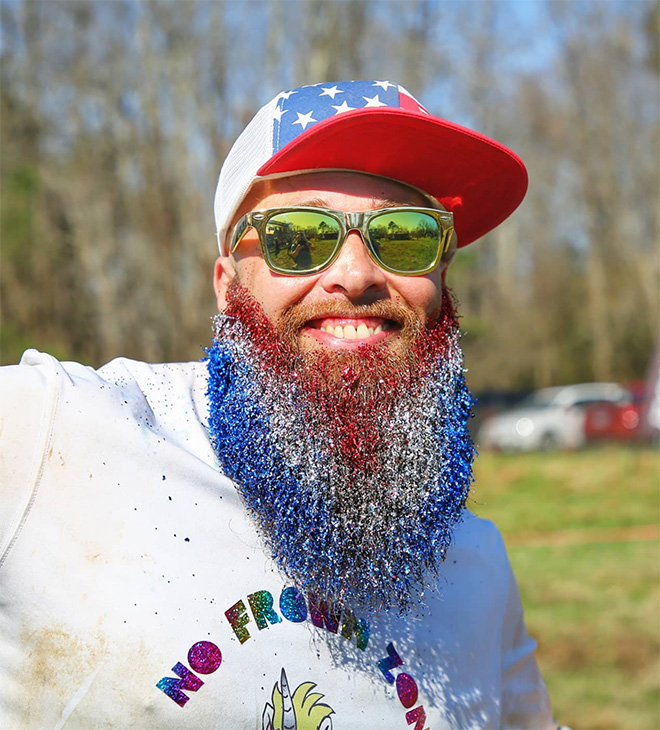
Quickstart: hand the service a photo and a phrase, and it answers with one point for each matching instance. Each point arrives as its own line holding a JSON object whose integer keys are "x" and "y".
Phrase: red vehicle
{"x": 619, "y": 421}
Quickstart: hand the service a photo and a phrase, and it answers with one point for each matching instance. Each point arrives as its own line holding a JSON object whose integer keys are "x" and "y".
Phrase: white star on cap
{"x": 286, "y": 95}
{"x": 373, "y": 101}
{"x": 343, "y": 108}
{"x": 305, "y": 119}
{"x": 331, "y": 91}
{"x": 279, "y": 113}
{"x": 384, "y": 85}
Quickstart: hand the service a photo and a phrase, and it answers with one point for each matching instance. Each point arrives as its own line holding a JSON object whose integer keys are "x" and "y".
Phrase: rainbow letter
{"x": 237, "y": 617}
{"x": 172, "y": 687}
{"x": 261, "y": 604}
{"x": 391, "y": 661}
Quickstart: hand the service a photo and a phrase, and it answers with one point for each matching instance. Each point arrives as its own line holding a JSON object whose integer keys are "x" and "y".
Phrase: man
{"x": 277, "y": 538}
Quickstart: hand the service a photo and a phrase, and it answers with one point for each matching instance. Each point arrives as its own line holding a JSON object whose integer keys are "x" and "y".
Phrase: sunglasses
{"x": 297, "y": 241}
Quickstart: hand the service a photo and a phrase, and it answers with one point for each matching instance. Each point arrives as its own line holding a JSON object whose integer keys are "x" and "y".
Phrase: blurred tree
{"x": 573, "y": 276}
{"x": 116, "y": 117}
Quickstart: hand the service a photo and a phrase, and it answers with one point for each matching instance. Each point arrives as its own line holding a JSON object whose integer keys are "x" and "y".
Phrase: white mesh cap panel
{"x": 251, "y": 150}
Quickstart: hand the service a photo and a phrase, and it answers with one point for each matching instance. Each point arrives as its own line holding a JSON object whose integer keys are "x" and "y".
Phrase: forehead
{"x": 342, "y": 190}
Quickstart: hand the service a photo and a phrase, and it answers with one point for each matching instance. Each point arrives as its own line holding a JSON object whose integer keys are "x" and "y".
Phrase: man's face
{"x": 330, "y": 298}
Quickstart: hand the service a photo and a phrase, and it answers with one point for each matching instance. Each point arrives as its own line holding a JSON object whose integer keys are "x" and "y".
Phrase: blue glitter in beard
{"x": 247, "y": 449}
{"x": 368, "y": 535}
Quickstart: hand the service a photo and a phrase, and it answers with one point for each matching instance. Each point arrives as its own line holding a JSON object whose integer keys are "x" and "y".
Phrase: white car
{"x": 548, "y": 419}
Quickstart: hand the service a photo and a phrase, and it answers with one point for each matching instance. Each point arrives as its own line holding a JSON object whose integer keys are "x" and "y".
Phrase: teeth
{"x": 349, "y": 332}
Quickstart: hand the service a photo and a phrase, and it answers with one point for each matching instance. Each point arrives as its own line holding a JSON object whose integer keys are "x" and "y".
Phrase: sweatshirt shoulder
{"x": 42, "y": 399}
{"x": 35, "y": 365}
{"x": 478, "y": 533}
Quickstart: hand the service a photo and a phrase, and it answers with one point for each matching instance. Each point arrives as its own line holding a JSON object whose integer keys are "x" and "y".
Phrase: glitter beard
{"x": 356, "y": 466}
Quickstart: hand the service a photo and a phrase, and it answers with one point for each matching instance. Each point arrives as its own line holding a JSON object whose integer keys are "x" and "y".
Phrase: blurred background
{"x": 116, "y": 116}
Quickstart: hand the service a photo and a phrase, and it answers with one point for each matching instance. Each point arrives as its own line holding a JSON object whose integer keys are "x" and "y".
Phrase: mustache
{"x": 409, "y": 320}
{"x": 423, "y": 336}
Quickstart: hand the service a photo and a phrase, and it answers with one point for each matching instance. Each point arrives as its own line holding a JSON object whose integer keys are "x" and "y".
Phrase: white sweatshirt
{"x": 135, "y": 592}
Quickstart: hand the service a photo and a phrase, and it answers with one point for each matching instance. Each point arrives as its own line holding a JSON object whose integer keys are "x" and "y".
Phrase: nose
{"x": 354, "y": 273}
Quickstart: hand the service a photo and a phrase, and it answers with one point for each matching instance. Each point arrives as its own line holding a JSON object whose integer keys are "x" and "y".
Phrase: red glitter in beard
{"x": 352, "y": 392}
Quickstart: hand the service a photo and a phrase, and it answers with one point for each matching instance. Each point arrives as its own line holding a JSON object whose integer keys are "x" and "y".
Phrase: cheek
{"x": 274, "y": 293}
{"x": 421, "y": 292}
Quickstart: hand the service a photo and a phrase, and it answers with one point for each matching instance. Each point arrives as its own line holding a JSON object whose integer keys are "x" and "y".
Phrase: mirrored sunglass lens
{"x": 301, "y": 240}
{"x": 405, "y": 240}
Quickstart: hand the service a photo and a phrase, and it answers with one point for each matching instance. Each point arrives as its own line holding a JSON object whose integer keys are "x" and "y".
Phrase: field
{"x": 582, "y": 533}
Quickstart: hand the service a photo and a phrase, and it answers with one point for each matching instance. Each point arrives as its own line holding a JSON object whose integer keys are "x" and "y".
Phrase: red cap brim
{"x": 479, "y": 180}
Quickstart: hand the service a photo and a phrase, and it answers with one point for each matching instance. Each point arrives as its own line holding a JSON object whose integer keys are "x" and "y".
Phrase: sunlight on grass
{"x": 593, "y": 608}
{"x": 596, "y": 488}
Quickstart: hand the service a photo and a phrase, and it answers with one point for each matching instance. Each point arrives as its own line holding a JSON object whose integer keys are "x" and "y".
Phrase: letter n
{"x": 172, "y": 687}
{"x": 418, "y": 716}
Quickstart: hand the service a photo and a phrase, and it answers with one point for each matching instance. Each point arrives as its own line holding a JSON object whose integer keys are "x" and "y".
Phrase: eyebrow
{"x": 315, "y": 202}
{"x": 393, "y": 204}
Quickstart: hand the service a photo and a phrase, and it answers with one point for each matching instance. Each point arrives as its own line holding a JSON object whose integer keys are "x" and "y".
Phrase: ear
{"x": 444, "y": 267}
{"x": 224, "y": 272}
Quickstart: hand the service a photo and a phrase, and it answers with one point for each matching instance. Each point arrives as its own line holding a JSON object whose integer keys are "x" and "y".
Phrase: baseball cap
{"x": 379, "y": 128}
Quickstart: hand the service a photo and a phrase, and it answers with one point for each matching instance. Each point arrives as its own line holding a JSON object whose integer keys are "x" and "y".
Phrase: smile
{"x": 352, "y": 331}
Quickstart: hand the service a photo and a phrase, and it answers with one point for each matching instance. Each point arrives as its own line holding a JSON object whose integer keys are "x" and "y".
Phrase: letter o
{"x": 292, "y": 605}
{"x": 204, "y": 657}
{"x": 406, "y": 688}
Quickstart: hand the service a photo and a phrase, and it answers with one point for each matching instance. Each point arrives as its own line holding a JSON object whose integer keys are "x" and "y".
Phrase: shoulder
{"x": 476, "y": 574}
{"x": 29, "y": 396}
{"x": 39, "y": 371}
{"x": 150, "y": 377}
{"x": 43, "y": 371}
{"x": 150, "y": 392}
{"x": 478, "y": 539}
{"x": 43, "y": 401}
{"x": 172, "y": 396}
{"x": 40, "y": 379}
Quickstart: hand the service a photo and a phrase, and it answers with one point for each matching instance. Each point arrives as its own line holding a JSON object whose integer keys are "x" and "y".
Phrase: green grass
{"x": 595, "y": 488}
{"x": 594, "y": 607}
{"x": 409, "y": 255}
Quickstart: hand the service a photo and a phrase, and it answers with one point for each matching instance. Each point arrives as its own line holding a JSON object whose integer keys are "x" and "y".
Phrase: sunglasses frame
{"x": 351, "y": 221}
